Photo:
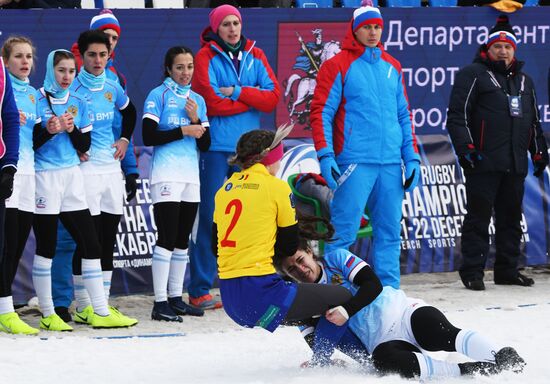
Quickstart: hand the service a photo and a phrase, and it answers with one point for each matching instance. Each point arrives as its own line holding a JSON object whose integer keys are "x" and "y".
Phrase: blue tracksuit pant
{"x": 380, "y": 188}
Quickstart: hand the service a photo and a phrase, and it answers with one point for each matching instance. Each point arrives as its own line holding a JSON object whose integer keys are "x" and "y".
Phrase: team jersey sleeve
{"x": 152, "y": 109}
{"x": 122, "y": 100}
{"x": 202, "y": 112}
{"x": 346, "y": 262}
{"x": 85, "y": 121}
{"x": 286, "y": 214}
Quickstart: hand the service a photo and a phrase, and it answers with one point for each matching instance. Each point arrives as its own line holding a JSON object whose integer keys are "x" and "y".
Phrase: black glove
{"x": 469, "y": 159}
{"x": 131, "y": 186}
{"x": 540, "y": 162}
{"x": 6, "y": 181}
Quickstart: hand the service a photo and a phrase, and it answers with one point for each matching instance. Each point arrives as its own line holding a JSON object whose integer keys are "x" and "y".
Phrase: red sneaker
{"x": 205, "y": 302}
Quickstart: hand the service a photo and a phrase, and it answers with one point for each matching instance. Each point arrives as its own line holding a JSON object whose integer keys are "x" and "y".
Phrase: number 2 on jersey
{"x": 238, "y": 205}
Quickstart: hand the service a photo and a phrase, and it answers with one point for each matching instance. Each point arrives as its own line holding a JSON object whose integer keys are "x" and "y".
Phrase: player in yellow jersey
{"x": 254, "y": 215}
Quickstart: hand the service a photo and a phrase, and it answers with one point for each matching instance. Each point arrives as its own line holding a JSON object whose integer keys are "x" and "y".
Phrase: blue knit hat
{"x": 105, "y": 20}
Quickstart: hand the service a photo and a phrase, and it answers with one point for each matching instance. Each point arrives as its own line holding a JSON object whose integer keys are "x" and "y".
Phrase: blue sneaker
{"x": 180, "y": 307}
{"x": 163, "y": 312}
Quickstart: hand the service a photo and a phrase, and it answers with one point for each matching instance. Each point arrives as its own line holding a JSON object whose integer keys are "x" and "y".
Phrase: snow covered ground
{"x": 215, "y": 350}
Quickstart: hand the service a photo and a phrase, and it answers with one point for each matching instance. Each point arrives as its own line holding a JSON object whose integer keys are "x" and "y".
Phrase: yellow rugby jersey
{"x": 248, "y": 209}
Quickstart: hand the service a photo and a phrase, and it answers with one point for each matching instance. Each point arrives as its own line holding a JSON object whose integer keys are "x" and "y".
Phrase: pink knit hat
{"x": 219, "y": 13}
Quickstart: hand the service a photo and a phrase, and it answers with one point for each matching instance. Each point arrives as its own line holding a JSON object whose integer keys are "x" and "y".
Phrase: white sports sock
{"x": 475, "y": 346}
{"x": 178, "y": 265}
{"x": 80, "y": 294}
{"x": 6, "y": 305}
{"x": 161, "y": 270}
{"x": 107, "y": 277}
{"x": 42, "y": 281}
{"x": 93, "y": 281}
{"x": 431, "y": 368}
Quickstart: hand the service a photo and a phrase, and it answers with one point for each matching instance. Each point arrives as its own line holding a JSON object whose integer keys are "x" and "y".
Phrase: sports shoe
{"x": 508, "y": 359}
{"x": 484, "y": 368}
{"x": 163, "y": 312}
{"x": 519, "y": 279}
{"x": 129, "y": 320}
{"x": 11, "y": 323}
{"x": 180, "y": 307}
{"x": 205, "y": 302}
{"x": 84, "y": 316}
{"x": 63, "y": 312}
{"x": 113, "y": 320}
{"x": 54, "y": 323}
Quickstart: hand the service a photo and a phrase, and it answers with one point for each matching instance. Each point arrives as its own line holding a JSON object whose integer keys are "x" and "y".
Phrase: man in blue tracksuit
{"x": 363, "y": 134}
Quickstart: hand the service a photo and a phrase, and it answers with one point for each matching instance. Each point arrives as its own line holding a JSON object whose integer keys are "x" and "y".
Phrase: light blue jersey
{"x": 58, "y": 152}
{"x": 27, "y": 102}
{"x": 176, "y": 161}
{"x": 102, "y": 105}
{"x": 375, "y": 320}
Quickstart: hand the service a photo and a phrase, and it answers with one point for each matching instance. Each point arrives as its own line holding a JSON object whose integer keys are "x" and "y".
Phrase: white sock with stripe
{"x": 178, "y": 265}
{"x": 6, "y": 305}
{"x": 161, "y": 269}
{"x": 80, "y": 293}
{"x": 475, "y": 346}
{"x": 431, "y": 368}
{"x": 107, "y": 277}
{"x": 42, "y": 281}
{"x": 93, "y": 281}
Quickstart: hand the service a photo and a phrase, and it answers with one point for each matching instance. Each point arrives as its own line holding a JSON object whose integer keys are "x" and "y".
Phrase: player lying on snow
{"x": 395, "y": 331}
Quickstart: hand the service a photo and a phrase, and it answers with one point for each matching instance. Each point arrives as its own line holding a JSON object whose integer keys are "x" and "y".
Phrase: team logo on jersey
{"x": 228, "y": 186}
{"x": 41, "y": 202}
{"x": 172, "y": 103}
{"x": 32, "y": 99}
{"x": 243, "y": 177}
{"x": 150, "y": 105}
{"x": 109, "y": 96}
{"x": 336, "y": 279}
{"x": 165, "y": 190}
{"x": 350, "y": 261}
{"x": 73, "y": 110}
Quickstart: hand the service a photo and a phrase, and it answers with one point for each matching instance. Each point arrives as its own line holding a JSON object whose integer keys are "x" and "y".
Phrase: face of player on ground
{"x": 302, "y": 267}
{"x": 502, "y": 51}
{"x": 182, "y": 69}
{"x": 95, "y": 58}
{"x": 230, "y": 29}
{"x": 369, "y": 35}
{"x": 20, "y": 61}
{"x": 65, "y": 71}
{"x": 113, "y": 37}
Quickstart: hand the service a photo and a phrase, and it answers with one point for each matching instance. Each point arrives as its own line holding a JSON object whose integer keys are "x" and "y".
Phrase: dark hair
{"x": 310, "y": 228}
{"x": 11, "y": 41}
{"x": 92, "y": 36}
{"x": 63, "y": 55}
{"x": 252, "y": 147}
{"x": 171, "y": 54}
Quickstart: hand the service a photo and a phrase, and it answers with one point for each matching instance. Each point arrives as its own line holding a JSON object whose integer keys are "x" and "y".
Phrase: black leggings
{"x": 315, "y": 299}
{"x": 174, "y": 222}
{"x": 17, "y": 229}
{"x": 432, "y": 331}
{"x": 80, "y": 226}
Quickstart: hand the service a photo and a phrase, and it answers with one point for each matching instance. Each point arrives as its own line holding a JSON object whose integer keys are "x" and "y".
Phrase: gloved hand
{"x": 131, "y": 186}
{"x": 540, "y": 162}
{"x": 330, "y": 171}
{"x": 412, "y": 173}
{"x": 469, "y": 159}
{"x": 6, "y": 181}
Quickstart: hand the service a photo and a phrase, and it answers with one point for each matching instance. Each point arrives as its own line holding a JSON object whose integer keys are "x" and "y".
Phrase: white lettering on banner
{"x": 545, "y": 115}
{"x": 434, "y": 77}
{"x": 453, "y": 36}
{"x": 143, "y": 194}
{"x": 434, "y": 118}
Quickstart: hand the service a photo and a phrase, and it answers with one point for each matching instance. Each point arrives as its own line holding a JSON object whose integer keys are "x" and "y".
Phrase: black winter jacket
{"x": 479, "y": 115}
